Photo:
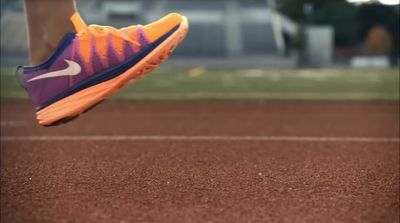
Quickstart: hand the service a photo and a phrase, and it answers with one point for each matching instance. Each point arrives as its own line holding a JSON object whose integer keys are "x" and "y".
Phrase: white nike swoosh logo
{"x": 72, "y": 70}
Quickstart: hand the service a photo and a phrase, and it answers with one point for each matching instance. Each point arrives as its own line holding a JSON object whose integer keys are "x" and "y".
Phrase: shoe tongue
{"x": 78, "y": 22}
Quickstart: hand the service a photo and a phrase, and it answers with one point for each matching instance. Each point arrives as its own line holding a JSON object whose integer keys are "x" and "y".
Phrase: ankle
{"x": 40, "y": 54}
{"x": 44, "y": 34}
{"x": 42, "y": 48}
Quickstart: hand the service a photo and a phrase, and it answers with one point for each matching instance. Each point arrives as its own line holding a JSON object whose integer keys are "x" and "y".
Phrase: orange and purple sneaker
{"x": 95, "y": 62}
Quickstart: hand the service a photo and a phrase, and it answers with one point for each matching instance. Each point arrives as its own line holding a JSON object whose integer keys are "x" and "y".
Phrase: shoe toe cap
{"x": 157, "y": 29}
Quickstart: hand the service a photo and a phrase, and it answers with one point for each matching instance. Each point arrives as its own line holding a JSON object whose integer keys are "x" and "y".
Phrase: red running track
{"x": 181, "y": 178}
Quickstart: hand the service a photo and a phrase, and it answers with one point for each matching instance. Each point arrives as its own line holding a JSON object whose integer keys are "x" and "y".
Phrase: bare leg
{"x": 48, "y": 21}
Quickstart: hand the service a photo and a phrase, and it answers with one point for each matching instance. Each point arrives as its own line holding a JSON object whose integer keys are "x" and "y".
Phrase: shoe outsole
{"x": 73, "y": 106}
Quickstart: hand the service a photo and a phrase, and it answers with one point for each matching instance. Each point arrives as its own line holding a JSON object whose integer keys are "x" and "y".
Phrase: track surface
{"x": 204, "y": 180}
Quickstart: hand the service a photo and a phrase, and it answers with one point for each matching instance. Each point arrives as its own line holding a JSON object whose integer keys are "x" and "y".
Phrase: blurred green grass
{"x": 251, "y": 84}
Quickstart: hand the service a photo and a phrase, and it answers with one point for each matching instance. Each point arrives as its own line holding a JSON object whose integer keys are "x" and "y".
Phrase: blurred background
{"x": 248, "y": 49}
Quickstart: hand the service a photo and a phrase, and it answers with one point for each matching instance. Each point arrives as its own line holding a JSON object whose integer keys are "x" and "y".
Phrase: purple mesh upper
{"x": 41, "y": 91}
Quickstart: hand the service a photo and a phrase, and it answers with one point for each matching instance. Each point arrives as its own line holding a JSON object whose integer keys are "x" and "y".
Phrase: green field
{"x": 255, "y": 84}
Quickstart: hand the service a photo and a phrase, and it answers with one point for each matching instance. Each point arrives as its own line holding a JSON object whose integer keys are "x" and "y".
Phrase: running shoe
{"x": 95, "y": 62}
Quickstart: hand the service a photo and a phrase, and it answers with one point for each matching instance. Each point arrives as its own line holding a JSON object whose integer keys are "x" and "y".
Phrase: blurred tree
{"x": 343, "y": 16}
{"x": 351, "y": 23}
{"x": 339, "y": 13}
{"x": 386, "y": 16}
{"x": 294, "y": 9}
{"x": 379, "y": 41}
{"x": 299, "y": 41}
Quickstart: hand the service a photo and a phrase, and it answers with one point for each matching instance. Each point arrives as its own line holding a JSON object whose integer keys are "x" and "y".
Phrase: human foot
{"x": 95, "y": 62}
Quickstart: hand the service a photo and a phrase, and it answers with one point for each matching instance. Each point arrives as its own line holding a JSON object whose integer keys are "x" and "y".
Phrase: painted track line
{"x": 202, "y": 138}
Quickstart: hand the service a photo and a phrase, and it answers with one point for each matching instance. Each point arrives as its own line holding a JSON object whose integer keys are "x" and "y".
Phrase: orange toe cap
{"x": 157, "y": 29}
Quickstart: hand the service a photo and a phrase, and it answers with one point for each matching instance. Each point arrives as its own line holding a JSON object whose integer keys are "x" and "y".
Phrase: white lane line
{"x": 200, "y": 138}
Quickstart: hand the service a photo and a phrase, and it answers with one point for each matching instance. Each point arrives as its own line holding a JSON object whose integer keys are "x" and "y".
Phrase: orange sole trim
{"x": 72, "y": 106}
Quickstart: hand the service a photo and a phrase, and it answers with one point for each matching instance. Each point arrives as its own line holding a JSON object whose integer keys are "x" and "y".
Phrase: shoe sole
{"x": 69, "y": 108}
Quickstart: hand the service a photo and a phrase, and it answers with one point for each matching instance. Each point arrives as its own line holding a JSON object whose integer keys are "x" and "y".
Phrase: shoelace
{"x": 96, "y": 30}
